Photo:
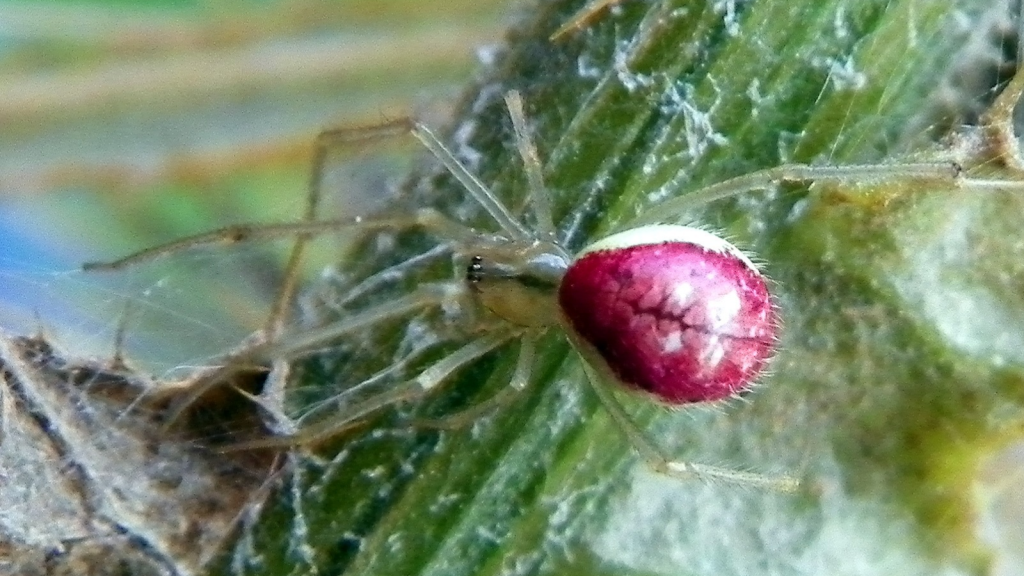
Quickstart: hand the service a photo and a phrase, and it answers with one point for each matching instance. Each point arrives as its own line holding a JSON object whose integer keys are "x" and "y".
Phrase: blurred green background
{"x": 126, "y": 123}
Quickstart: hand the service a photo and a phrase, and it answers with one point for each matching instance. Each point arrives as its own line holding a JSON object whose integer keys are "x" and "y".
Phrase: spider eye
{"x": 673, "y": 311}
{"x": 475, "y": 270}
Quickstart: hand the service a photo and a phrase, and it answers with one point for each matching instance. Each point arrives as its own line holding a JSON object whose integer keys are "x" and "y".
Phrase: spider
{"x": 667, "y": 311}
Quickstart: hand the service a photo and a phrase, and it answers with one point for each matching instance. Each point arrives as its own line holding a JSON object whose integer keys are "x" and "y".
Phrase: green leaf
{"x": 899, "y": 368}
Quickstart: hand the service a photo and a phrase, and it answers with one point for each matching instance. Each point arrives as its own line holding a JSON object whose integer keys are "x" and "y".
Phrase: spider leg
{"x": 309, "y": 341}
{"x": 540, "y": 198}
{"x": 998, "y": 123}
{"x": 397, "y": 370}
{"x": 949, "y": 172}
{"x": 378, "y": 279}
{"x": 519, "y": 381}
{"x": 304, "y": 343}
{"x": 581, "y": 18}
{"x": 272, "y": 396}
{"x": 658, "y": 461}
{"x": 327, "y": 141}
{"x": 308, "y": 227}
{"x": 117, "y": 360}
{"x": 281, "y": 306}
{"x": 483, "y": 196}
{"x": 351, "y": 414}
{"x": 1001, "y": 138}
{"x": 427, "y": 218}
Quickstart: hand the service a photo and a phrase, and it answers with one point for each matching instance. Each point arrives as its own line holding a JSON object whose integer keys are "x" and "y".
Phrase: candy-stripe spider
{"x": 668, "y": 310}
